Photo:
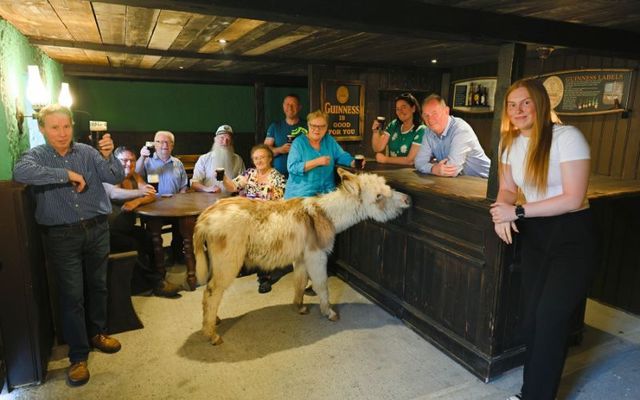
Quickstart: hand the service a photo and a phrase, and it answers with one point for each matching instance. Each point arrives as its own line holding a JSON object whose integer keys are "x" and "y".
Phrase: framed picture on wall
{"x": 343, "y": 101}
{"x": 588, "y": 91}
{"x": 474, "y": 95}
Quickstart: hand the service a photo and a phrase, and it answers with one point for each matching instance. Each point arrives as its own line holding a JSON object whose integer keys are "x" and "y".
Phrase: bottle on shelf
{"x": 476, "y": 96}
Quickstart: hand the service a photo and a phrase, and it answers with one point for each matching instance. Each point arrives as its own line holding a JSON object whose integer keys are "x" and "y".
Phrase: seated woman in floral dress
{"x": 264, "y": 183}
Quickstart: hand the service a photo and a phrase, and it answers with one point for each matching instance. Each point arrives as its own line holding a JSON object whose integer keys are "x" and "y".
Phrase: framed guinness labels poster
{"x": 343, "y": 101}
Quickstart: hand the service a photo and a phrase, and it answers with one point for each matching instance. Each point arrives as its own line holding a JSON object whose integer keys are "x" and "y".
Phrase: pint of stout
{"x": 151, "y": 146}
{"x": 153, "y": 180}
{"x": 219, "y": 174}
{"x": 380, "y": 120}
{"x": 290, "y": 138}
{"x": 359, "y": 158}
{"x": 98, "y": 129}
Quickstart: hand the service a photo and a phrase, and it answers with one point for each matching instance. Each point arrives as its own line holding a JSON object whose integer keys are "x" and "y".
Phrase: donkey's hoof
{"x": 216, "y": 340}
{"x": 303, "y": 310}
{"x": 333, "y": 316}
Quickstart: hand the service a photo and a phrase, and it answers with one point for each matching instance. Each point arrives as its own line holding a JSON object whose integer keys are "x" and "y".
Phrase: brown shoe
{"x": 166, "y": 289}
{"x": 105, "y": 343}
{"x": 78, "y": 373}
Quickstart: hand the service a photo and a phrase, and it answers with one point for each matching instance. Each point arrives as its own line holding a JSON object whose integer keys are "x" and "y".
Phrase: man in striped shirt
{"x": 72, "y": 207}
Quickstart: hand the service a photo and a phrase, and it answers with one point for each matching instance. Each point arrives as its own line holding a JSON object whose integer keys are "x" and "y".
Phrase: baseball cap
{"x": 224, "y": 129}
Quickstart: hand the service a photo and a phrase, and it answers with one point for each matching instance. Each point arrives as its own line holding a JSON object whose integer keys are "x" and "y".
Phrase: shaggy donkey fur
{"x": 271, "y": 234}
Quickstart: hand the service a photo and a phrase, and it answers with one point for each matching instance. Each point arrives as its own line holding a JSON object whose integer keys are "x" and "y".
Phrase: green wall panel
{"x": 15, "y": 55}
{"x": 149, "y": 106}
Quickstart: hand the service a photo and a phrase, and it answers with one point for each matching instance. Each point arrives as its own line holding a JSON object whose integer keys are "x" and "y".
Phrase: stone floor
{"x": 270, "y": 352}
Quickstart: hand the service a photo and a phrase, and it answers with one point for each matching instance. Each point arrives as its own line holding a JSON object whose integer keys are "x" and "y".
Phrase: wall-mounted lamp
{"x": 37, "y": 94}
{"x": 36, "y": 91}
{"x": 65, "y": 98}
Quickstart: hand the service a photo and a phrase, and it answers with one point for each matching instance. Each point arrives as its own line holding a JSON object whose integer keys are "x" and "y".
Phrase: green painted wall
{"x": 181, "y": 107}
{"x": 15, "y": 55}
{"x": 150, "y": 106}
{"x": 273, "y": 97}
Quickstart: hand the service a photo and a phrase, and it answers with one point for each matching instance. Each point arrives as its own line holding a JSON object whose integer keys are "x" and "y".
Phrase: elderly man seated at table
{"x": 172, "y": 177}
{"x": 125, "y": 235}
{"x": 450, "y": 147}
{"x": 222, "y": 155}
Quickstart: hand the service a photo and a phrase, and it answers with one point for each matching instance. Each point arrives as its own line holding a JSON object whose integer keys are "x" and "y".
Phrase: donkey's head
{"x": 377, "y": 199}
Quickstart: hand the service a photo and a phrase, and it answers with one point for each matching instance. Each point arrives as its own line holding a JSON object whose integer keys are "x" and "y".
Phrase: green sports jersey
{"x": 399, "y": 142}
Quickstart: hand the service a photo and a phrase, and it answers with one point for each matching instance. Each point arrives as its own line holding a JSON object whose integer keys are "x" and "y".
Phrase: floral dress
{"x": 249, "y": 186}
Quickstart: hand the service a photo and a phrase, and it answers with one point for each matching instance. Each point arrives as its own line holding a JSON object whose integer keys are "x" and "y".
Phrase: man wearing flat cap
{"x": 222, "y": 155}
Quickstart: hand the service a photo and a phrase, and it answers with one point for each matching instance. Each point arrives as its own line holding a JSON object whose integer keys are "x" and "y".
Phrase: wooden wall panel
{"x": 614, "y": 138}
{"x": 376, "y": 82}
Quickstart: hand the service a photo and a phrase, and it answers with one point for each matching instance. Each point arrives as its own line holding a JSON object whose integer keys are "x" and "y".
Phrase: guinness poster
{"x": 343, "y": 101}
{"x": 588, "y": 91}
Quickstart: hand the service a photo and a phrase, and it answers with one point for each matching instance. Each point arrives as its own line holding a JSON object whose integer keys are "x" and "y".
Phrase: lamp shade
{"x": 36, "y": 91}
{"x": 65, "y": 98}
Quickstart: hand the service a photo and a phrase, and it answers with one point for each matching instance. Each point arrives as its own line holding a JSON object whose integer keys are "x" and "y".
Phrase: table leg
{"x": 187, "y": 225}
{"x": 154, "y": 225}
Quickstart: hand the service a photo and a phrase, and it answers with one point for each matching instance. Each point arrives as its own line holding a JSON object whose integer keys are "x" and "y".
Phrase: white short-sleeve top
{"x": 568, "y": 144}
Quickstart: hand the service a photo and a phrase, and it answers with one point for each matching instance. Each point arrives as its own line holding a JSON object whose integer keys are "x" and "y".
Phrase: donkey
{"x": 272, "y": 234}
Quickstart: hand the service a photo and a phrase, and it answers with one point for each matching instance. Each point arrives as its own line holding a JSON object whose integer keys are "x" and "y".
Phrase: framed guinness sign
{"x": 343, "y": 101}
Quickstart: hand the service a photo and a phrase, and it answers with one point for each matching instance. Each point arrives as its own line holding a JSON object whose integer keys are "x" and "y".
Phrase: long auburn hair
{"x": 537, "y": 159}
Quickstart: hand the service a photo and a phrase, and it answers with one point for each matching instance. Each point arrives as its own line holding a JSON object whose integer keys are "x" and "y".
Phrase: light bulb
{"x": 65, "y": 98}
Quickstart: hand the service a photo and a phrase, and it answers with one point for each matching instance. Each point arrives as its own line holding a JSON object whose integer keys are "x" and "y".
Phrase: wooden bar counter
{"x": 441, "y": 268}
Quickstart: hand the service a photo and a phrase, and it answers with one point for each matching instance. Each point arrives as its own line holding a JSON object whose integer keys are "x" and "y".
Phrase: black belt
{"x": 85, "y": 223}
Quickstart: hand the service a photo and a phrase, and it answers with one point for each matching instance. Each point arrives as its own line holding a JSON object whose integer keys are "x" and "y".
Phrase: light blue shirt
{"x": 57, "y": 201}
{"x": 319, "y": 179}
{"x": 173, "y": 176}
{"x": 459, "y": 144}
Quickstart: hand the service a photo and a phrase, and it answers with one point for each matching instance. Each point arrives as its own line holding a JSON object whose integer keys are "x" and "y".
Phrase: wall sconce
{"x": 36, "y": 93}
{"x": 65, "y": 98}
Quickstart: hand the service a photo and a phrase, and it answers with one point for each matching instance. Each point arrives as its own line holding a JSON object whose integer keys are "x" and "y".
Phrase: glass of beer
{"x": 153, "y": 180}
{"x": 97, "y": 129}
{"x": 219, "y": 174}
{"x": 151, "y": 146}
{"x": 380, "y": 120}
{"x": 290, "y": 138}
{"x": 359, "y": 158}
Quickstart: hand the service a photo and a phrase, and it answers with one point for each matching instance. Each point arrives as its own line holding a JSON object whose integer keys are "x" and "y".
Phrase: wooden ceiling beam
{"x": 414, "y": 19}
{"x": 221, "y": 56}
{"x": 92, "y": 71}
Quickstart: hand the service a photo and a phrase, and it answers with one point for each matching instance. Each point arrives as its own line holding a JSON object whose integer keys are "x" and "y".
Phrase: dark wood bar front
{"x": 441, "y": 268}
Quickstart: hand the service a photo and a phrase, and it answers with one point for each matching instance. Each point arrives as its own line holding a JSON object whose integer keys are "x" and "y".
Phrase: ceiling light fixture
{"x": 434, "y": 61}
{"x": 222, "y": 41}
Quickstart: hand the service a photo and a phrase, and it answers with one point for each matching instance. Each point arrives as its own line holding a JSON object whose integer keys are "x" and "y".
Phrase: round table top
{"x": 180, "y": 204}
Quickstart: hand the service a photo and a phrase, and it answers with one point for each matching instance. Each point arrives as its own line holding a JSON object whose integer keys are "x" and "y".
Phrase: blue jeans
{"x": 78, "y": 256}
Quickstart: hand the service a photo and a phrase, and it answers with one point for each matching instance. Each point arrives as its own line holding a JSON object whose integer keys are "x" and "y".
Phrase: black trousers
{"x": 558, "y": 260}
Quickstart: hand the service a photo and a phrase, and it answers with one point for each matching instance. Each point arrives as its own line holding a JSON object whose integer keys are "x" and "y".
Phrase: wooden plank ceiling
{"x": 136, "y": 35}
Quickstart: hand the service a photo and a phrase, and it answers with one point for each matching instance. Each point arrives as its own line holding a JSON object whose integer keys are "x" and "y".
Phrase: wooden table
{"x": 185, "y": 207}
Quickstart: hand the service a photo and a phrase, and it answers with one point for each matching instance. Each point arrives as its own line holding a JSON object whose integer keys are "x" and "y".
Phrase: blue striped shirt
{"x": 172, "y": 174}
{"x": 57, "y": 201}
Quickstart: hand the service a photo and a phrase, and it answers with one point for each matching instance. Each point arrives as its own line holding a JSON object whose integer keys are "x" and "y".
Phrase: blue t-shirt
{"x": 317, "y": 180}
{"x": 279, "y": 132}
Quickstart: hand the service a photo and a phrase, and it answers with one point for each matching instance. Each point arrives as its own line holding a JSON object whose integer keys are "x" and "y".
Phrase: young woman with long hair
{"x": 549, "y": 163}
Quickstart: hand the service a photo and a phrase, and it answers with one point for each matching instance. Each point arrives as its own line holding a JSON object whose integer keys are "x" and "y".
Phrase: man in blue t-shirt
{"x": 278, "y": 131}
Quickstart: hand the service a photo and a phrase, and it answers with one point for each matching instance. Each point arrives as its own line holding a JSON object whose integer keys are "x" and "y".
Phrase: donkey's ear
{"x": 350, "y": 182}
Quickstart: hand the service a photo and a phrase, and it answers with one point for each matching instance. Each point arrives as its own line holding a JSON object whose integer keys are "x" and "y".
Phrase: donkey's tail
{"x": 202, "y": 263}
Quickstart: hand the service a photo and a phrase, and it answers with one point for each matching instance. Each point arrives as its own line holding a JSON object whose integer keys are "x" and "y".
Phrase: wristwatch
{"x": 520, "y": 212}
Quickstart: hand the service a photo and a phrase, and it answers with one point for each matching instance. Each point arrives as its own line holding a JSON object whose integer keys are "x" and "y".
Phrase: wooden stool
{"x": 121, "y": 316}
